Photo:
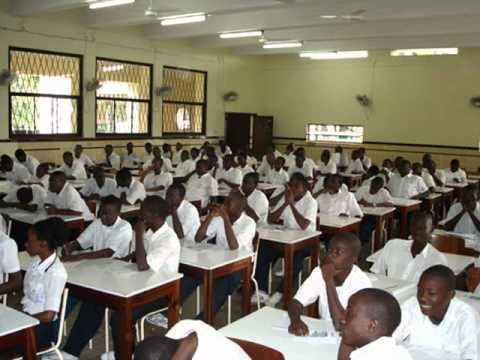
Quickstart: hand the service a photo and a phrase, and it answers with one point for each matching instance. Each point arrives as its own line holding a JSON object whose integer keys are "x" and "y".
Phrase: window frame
{"x": 146, "y": 135}
{"x": 59, "y": 136}
{"x": 307, "y": 140}
{"x": 204, "y": 105}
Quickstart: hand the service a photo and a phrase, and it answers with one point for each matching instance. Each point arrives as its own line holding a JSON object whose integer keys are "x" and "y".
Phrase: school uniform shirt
{"x": 233, "y": 175}
{"x": 9, "y": 262}
{"x": 247, "y": 169}
{"x": 314, "y": 289}
{"x": 306, "y": 170}
{"x": 355, "y": 167}
{"x": 428, "y": 179}
{"x": 244, "y": 229}
{"x": 440, "y": 174}
{"x": 201, "y": 188}
{"x": 211, "y": 344}
{"x": 177, "y": 157}
{"x": 289, "y": 160}
{"x": 329, "y": 168}
{"x": 131, "y": 161}
{"x": 465, "y": 225}
{"x": 377, "y": 349}
{"x": 91, "y": 187}
{"x": 99, "y": 237}
{"x": 114, "y": 160}
{"x": 31, "y": 164}
{"x": 190, "y": 220}
{"x": 366, "y": 162}
{"x": 341, "y": 159}
{"x": 456, "y": 337}
{"x": 307, "y": 207}
{"x": 77, "y": 170}
{"x": 264, "y": 169}
{"x": 396, "y": 260}
{"x": 382, "y": 195}
{"x": 406, "y": 186}
{"x": 343, "y": 202}
{"x": 44, "y": 180}
{"x": 184, "y": 168}
{"x": 147, "y": 157}
{"x": 43, "y": 285}
{"x": 85, "y": 160}
{"x": 69, "y": 198}
{"x": 152, "y": 180}
{"x": 18, "y": 174}
{"x": 275, "y": 177}
{"x": 38, "y": 198}
{"x": 258, "y": 201}
{"x": 319, "y": 185}
{"x": 163, "y": 249}
{"x": 459, "y": 175}
{"x": 220, "y": 153}
{"x": 135, "y": 192}
{"x": 167, "y": 164}
{"x": 251, "y": 161}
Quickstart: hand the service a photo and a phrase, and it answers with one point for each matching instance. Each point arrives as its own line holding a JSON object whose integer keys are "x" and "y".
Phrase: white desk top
{"x": 433, "y": 196}
{"x": 33, "y": 217}
{"x": 6, "y": 186}
{"x": 353, "y": 176}
{"x": 280, "y": 234}
{"x": 269, "y": 327}
{"x": 209, "y": 257}
{"x": 443, "y": 190}
{"x": 402, "y": 290}
{"x": 77, "y": 184}
{"x": 13, "y": 321}
{"x": 337, "y": 221}
{"x": 377, "y": 211}
{"x": 457, "y": 185}
{"x": 405, "y": 202}
{"x": 266, "y": 186}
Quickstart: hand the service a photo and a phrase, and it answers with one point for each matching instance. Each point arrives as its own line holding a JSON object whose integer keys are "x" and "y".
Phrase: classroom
{"x": 211, "y": 179}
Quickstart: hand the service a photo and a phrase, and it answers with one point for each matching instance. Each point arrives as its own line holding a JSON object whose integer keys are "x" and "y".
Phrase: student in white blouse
{"x": 13, "y": 171}
{"x": 407, "y": 259}
{"x": 129, "y": 191}
{"x": 112, "y": 159}
{"x": 455, "y": 174}
{"x": 27, "y": 160}
{"x": 335, "y": 202}
{"x": 356, "y": 165}
{"x": 98, "y": 186}
{"x": 327, "y": 164}
{"x": 437, "y": 324}
{"x": 406, "y": 185}
{"x": 184, "y": 218}
{"x": 73, "y": 170}
{"x": 371, "y": 317}
{"x": 9, "y": 265}
{"x": 156, "y": 181}
{"x": 81, "y": 157}
{"x": 332, "y": 284}
{"x": 201, "y": 186}
{"x": 131, "y": 160}
{"x": 229, "y": 176}
{"x": 185, "y": 166}
{"x": 28, "y": 198}
{"x": 278, "y": 175}
{"x": 302, "y": 167}
{"x": 243, "y": 166}
{"x": 257, "y": 202}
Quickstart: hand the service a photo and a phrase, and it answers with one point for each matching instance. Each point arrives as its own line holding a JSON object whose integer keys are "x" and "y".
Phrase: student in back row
{"x": 73, "y": 170}
{"x": 201, "y": 186}
{"x": 13, "y": 171}
{"x": 27, "y": 160}
{"x": 455, "y": 174}
{"x": 98, "y": 186}
{"x": 405, "y": 185}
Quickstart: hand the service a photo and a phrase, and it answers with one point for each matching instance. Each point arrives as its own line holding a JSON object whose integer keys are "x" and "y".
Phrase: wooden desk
{"x": 352, "y": 180}
{"x": 405, "y": 207}
{"x": 457, "y": 188}
{"x": 330, "y": 224}
{"x": 454, "y": 243}
{"x": 289, "y": 241}
{"x": 17, "y": 330}
{"x": 381, "y": 216}
{"x": 434, "y": 203}
{"x": 208, "y": 262}
{"x": 447, "y": 198}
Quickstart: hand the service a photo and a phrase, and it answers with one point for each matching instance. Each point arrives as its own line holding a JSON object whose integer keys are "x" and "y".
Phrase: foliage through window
{"x": 335, "y": 133}
{"x": 124, "y": 98}
{"x": 184, "y": 106}
{"x": 45, "y": 93}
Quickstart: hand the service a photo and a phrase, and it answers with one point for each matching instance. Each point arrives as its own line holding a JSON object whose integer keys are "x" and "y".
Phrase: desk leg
{"x": 377, "y": 239}
{"x": 288, "y": 276}
{"x": 126, "y": 333}
{"x": 246, "y": 289}
{"x": 314, "y": 253}
{"x": 174, "y": 305}
{"x": 208, "y": 297}
{"x": 403, "y": 223}
{"x": 30, "y": 344}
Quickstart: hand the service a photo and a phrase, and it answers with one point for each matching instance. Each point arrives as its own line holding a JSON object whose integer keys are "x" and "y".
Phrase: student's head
{"x": 157, "y": 164}
{"x": 175, "y": 195}
{"x": 387, "y": 164}
{"x": 404, "y": 168}
{"x": 298, "y": 184}
{"x": 241, "y": 160}
{"x": 228, "y": 161}
{"x": 373, "y": 171}
{"x": 343, "y": 251}
{"x": 99, "y": 175}
{"x": 235, "y": 204}
{"x": 110, "y": 208}
{"x": 338, "y": 149}
{"x": 184, "y": 155}
{"x": 194, "y": 153}
{"x": 397, "y": 162}
{"x": 6, "y": 163}
{"x": 325, "y": 157}
{"x": 271, "y": 158}
{"x": 42, "y": 170}
{"x": 421, "y": 226}
{"x": 108, "y": 149}
{"x": 129, "y": 147}
{"x": 376, "y": 184}
{"x": 123, "y": 177}
{"x": 154, "y": 211}
{"x": 301, "y": 151}
{"x": 68, "y": 158}
{"x": 21, "y": 155}
{"x": 371, "y": 313}
{"x": 279, "y": 163}
{"x": 426, "y": 158}
{"x": 250, "y": 182}
{"x": 157, "y": 152}
{"x": 156, "y": 348}
{"x": 417, "y": 169}
{"x": 435, "y": 290}
{"x": 454, "y": 165}
{"x": 202, "y": 167}
{"x": 289, "y": 149}
{"x": 57, "y": 181}
{"x": 44, "y": 236}
{"x": 469, "y": 198}
{"x": 212, "y": 161}
{"x": 25, "y": 195}
{"x": 332, "y": 183}
{"x": 148, "y": 147}
{"x": 222, "y": 145}
{"x": 361, "y": 152}
{"x": 78, "y": 150}
{"x": 166, "y": 148}
{"x": 355, "y": 154}
{"x": 431, "y": 166}
{"x": 299, "y": 160}
{"x": 178, "y": 146}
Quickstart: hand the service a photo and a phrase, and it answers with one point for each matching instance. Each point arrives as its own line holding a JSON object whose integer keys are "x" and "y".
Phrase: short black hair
{"x": 156, "y": 348}
{"x": 156, "y": 205}
{"x": 177, "y": 187}
{"x": 53, "y": 231}
{"x": 124, "y": 174}
{"x": 421, "y": 215}
{"x": 378, "y": 180}
{"x": 6, "y": 159}
{"x": 299, "y": 177}
{"x": 351, "y": 239}
{"x": 20, "y": 153}
{"x": 455, "y": 161}
{"x": 443, "y": 272}
{"x": 113, "y": 201}
{"x": 25, "y": 194}
{"x": 374, "y": 170}
{"x": 59, "y": 174}
{"x": 253, "y": 176}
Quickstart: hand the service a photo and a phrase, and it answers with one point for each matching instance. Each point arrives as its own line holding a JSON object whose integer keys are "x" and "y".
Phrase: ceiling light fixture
{"x": 424, "y": 52}
{"x": 182, "y": 19}
{"x": 108, "y": 3}
{"x": 335, "y": 55}
{"x": 241, "y": 34}
{"x": 282, "y": 44}
{"x": 329, "y": 16}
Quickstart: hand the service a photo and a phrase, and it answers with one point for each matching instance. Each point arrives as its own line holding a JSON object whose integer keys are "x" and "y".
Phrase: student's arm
{"x": 297, "y": 326}
{"x": 177, "y": 225}
{"x": 450, "y": 225}
{"x": 299, "y": 218}
{"x": 274, "y": 217}
{"x": 70, "y": 247}
{"x": 140, "y": 253}
{"x": 365, "y": 203}
{"x": 334, "y": 306}
{"x": 421, "y": 195}
{"x": 145, "y": 172}
{"x": 202, "y": 230}
{"x": 231, "y": 237}
{"x": 155, "y": 188}
{"x": 14, "y": 283}
{"x": 26, "y": 207}
{"x": 344, "y": 352}
{"x": 104, "y": 253}
{"x": 189, "y": 175}
{"x": 274, "y": 200}
{"x": 250, "y": 212}
{"x": 51, "y": 210}
{"x": 45, "y": 316}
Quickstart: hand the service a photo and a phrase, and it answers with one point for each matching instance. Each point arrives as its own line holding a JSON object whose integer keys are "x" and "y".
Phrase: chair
{"x": 451, "y": 244}
{"x": 258, "y": 351}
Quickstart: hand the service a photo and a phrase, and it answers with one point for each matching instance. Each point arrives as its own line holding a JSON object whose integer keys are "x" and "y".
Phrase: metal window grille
{"x": 334, "y": 133}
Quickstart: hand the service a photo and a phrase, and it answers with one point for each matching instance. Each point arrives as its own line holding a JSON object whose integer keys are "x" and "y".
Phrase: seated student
{"x": 223, "y": 149}
{"x": 131, "y": 160}
{"x": 148, "y": 155}
{"x": 190, "y": 339}
{"x": 372, "y": 172}
{"x": 195, "y": 155}
{"x": 185, "y": 166}
{"x": 386, "y": 170}
{"x": 81, "y": 157}
{"x": 28, "y": 198}
{"x": 156, "y": 182}
{"x": 301, "y": 151}
{"x": 405, "y": 185}
{"x": 176, "y": 155}
{"x": 232, "y": 229}
{"x": 371, "y": 317}
{"x": 266, "y": 166}
{"x": 366, "y": 161}
{"x": 41, "y": 176}
{"x": 243, "y": 166}
{"x": 437, "y": 324}
{"x": 257, "y": 202}
{"x": 464, "y": 217}
{"x": 327, "y": 164}
{"x": 319, "y": 186}
{"x": 98, "y": 186}
{"x": 374, "y": 194}
{"x": 455, "y": 174}
{"x": 201, "y": 186}
{"x": 184, "y": 218}
{"x": 157, "y": 153}
{"x": 438, "y": 176}
{"x": 331, "y": 284}
{"x": 278, "y": 175}
{"x": 271, "y": 150}
{"x": 13, "y": 171}
{"x": 298, "y": 211}
{"x": 73, "y": 170}
{"x": 9, "y": 265}
{"x": 167, "y": 151}
{"x": 406, "y": 259}
{"x": 229, "y": 176}
{"x": 335, "y": 202}
{"x": 356, "y": 165}
{"x": 129, "y": 190}
{"x": 251, "y": 159}
{"x": 156, "y": 248}
{"x": 341, "y": 158}
{"x": 27, "y": 160}
{"x": 63, "y": 199}
{"x": 112, "y": 159}
{"x": 426, "y": 177}
{"x": 301, "y": 166}
{"x": 289, "y": 155}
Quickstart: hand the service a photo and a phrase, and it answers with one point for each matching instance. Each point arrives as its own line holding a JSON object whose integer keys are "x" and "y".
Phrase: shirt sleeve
{"x": 74, "y": 201}
{"x": 120, "y": 240}
{"x": 454, "y": 210}
{"x": 246, "y": 234}
{"x": 87, "y": 237}
{"x": 212, "y": 228}
{"x": 310, "y": 212}
{"x": 237, "y": 178}
{"x": 469, "y": 339}
{"x": 353, "y": 207}
{"x": 380, "y": 265}
{"x": 386, "y": 197}
{"x": 310, "y": 290}
{"x": 136, "y": 193}
{"x": 54, "y": 285}
{"x": 9, "y": 262}
{"x": 421, "y": 187}
{"x": 157, "y": 256}
{"x": 87, "y": 189}
{"x": 261, "y": 207}
{"x": 191, "y": 224}
{"x": 213, "y": 187}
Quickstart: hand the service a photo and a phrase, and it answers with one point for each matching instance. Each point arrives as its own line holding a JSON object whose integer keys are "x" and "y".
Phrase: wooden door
{"x": 262, "y": 134}
{"x": 237, "y": 130}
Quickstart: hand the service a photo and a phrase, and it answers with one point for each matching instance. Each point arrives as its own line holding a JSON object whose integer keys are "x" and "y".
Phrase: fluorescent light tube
{"x": 424, "y": 52}
{"x": 335, "y": 55}
{"x": 282, "y": 44}
{"x": 182, "y": 19}
{"x": 241, "y": 34}
{"x": 109, "y": 3}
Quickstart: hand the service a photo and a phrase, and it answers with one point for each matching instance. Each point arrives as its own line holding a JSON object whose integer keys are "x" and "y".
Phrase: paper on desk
{"x": 318, "y": 332}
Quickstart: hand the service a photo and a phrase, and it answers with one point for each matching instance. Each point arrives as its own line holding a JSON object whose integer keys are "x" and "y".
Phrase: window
{"x": 334, "y": 133}
{"x": 123, "y": 99}
{"x": 184, "y": 107}
{"x": 45, "y": 96}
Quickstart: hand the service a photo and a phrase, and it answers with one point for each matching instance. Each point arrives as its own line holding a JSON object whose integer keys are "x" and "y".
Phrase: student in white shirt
{"x": 372, "y": 172}
{"x": 319, "y": 186}
{"x": 425, "y": 176}
{"x": 356, "y": 165}
{"x": 184, "y": 218}
{"x": 243, "y": 166}
{"x": 386, "y": 170}
{"x": 302, "y": 167}
{"x": 131, "y": 160}
{"x": 112, "y": 159}
{"x": 223, "y": 149}
{"x": 366, "y": 161}
{"x": 28, "y": 198}
{"x": 185, "y": 166}
{"x": 81, "y": 157}
{"x": 289, "y": 156}
{"x": 13, "y": 171}
{"x": 177, "y": 154}
{"x": 129, "y": 191}
{"x": 332, "y": 284}
{"x": 335, "y": 202}
{"x": 257, "y": 202}
{"x": 277, "y": 175}
{"x": 41, "y": 176}
{"x": 201, "y": 186}
{"x": 301, "y": 152}
{"x": 157, "y": 182}
{"x": 407, "y": 259}
{"x": 63, "y": 199}
{"x": 9, "y": 265}
{"x": 341, "y": 158}
{"x": 374, "y": 195}
{"x": 266, "y": 166}
{"x": 327, "y": 164}
{"x": 167, "y": 151}
{"x": 165, "y": 154}
{"x": 406, "y": 185}
{"x": 436, "y": 323}
{"x": 195, "y": 155}
{"x": 73, "y": 170}
{"x": 438, "y": 176}
{"x": 98, "y": 186}
{"x": 27, "y": 160}
{"x": 372, "y": 315}
{"x": 229, "y": 176}
{"x": 148, "y": 155}
{"x": 455, "y": 174}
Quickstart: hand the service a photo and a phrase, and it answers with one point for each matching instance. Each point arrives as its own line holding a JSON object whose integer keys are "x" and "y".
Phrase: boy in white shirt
{"x": 184, "y": 218}
{"x": 257, "y": 202}
{"x": 425, "y": 176}
{"x": 335, "y": 202}
{"x": 266, "y": 166}
{"x": 28, "y": 198}
{"x": 41, "y": 176}
{"x": 195, "y": 155}
{"x": 341, "y": 158}
{"x": 229, "y": 176}
{"x": 131, "y": 160}
{"x": 405, "y": 185}
{"x": 27, "y": 160}
{"x": 327, "y": 164}
{"x": 372, "y": 316}
{"x": 356, "y": 165}
{"x": 98, "y": 186}
{"x": 436, "y": 323}
{"x": 185, "y": 166}
{"x": 301, "y": 151}
{"x": 148, "y": 155}
{"x": 374, "y": 195}
{"x": 112, "y": 159}
{"x": 430, "y": 167}
{"x": 302, "y": 167}
{"x": 167, "y": 151}
{"x": 13, "y": 171}
{"x": 289, "y": 156}
{"x": 223, "y": 149}
{"x": 407, "y": 259}
{"x": 9, "y": 265}
{"x": 366, "y": 161}
{"x": 332, "y": 284}
{"x": 455, "y": 174}
{"x": 157, "y": 182}
{"x": 177, "y": 154}
{"x": 73, "y": 170}
{"x": 129, "y": 191}
{"x": 372, "y": 172}
{"x": 201, "y": 186}
{"x": 81, "y": 157}
{"x": 243, "y": 166}
{"x": 278, "y": 175}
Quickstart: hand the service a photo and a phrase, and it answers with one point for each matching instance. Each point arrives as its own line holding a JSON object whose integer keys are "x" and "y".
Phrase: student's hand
{"x": 455, "y": 180}
{"x": 140, "y": 228}
{"x": 70, "y": 258}
{"x": 343, "y": 215}
{"x": 328, "y": 271}
{"x": 222, "y": 212}
{"x": 298, "y": 328}
{"x": 289, "y": 199}
{"x": 52, "y": 210}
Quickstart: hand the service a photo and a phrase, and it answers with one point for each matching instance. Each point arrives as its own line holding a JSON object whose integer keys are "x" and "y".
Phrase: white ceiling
{"x": 385, "y": 24}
